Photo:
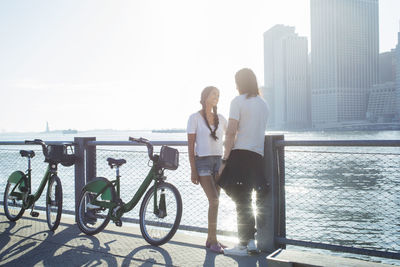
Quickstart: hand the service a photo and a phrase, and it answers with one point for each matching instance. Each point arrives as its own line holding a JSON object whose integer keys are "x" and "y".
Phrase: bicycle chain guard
{"x": 118, "y": 211}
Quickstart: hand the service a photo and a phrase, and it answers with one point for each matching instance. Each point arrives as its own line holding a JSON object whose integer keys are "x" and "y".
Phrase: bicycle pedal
{"x": 118, "y": 223}
{"x": 34, "y": 213}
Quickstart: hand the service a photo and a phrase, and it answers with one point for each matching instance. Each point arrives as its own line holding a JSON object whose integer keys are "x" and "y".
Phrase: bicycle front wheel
{"x": 159, "y": 226}
{"x": 13, "y": 200}
{"x": 54, "y": 202}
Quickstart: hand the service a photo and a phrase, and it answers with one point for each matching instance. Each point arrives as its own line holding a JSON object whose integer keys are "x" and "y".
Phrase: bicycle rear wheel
{"x": 157, "y": 229}
{"x": 13, "y": 200}
{"x": 54, "y": 202}
{"x": 92, "y": 219}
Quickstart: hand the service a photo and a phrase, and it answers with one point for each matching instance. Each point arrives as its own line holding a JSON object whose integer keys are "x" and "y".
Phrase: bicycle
{"x": 161, "y": 209}
{"x": 18, "y": 196}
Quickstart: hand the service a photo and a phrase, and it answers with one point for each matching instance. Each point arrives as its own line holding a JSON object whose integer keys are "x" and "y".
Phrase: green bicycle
{"x": 161, "y": 209}
{"x": 18, "y": 196}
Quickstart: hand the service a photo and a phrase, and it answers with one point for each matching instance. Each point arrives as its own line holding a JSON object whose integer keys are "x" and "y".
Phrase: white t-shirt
{"x": 205, "y": 145}
{"x": 252, "y": 114}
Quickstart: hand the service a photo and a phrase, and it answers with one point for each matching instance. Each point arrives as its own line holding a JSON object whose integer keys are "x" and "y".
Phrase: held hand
{"x": 221, "y": 168}
{"x": 195, "y": 177}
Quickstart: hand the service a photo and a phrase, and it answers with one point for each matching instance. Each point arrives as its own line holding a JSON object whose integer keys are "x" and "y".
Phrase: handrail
{"x": 128, "y": 143}
{"x": 386, "y": 143}
{"x": 18, "y": 143}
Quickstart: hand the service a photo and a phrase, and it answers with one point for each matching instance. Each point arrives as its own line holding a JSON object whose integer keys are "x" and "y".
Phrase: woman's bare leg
{"x": 212, "y": 193}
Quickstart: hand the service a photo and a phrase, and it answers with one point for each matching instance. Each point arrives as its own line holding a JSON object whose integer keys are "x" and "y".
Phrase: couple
{"x": 239, "y": 168}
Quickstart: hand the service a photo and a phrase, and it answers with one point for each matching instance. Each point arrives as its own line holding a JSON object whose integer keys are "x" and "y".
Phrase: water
{"x": 330, "y": 198}
{"x": 110, "y": 135}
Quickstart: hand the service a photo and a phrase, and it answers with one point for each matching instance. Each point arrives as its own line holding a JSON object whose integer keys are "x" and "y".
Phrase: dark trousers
{"x": 246, "y": 221}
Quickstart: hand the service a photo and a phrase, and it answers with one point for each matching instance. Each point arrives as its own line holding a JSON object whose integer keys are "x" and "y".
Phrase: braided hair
{"x": 204, "y": 95}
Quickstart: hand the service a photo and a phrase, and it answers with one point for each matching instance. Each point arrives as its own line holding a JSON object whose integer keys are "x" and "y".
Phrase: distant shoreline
{"x": 168, "y": 131}
{"x": 358, "y": 128}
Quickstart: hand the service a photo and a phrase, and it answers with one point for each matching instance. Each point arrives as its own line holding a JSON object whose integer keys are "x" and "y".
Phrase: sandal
{"x": 208, "y": 244}
{"x": 216, "y": 248}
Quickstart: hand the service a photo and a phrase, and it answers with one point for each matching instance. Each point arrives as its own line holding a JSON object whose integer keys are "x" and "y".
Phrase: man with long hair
{"x": 242, "y": 163}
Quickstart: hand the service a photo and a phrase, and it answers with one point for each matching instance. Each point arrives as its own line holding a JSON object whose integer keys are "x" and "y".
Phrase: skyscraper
{"x": 344, "y": 59}
{"x": 398, "y": 76}
{"x": 274, "y": 90}
{"x": 387, "y": 66}
{"x": 382, "y": 96}
{"x": 286, "y": 77}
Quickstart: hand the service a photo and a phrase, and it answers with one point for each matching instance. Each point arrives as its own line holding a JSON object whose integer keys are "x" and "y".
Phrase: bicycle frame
{"x": 32, "y": 198}
{"x": 117, "y": 208}
{"x": 152, "y": 175}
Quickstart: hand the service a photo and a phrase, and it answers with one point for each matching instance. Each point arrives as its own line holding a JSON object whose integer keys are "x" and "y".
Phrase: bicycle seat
{"x": 115, "y": 162}
{"x": 27, "y": 153}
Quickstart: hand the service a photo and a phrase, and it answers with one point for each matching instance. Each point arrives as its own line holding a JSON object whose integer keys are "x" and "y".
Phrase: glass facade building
{"x": 344, "y": 59}
{"x": 286, "y": 78}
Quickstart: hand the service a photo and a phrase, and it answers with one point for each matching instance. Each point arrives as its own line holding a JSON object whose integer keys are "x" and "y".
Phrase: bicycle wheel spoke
{"x": 91, "y": 218}
{"x": 158, "y": 227}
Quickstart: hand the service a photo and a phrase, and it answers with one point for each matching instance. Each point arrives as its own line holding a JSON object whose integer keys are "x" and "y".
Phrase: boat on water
{"x": 69, "y": 131}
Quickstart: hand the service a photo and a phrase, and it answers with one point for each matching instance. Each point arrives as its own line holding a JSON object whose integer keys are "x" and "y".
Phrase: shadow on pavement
{"x": 19, "y": 246}
{"x": 249, "y": 261}
{"x": 48, "y": 248}
{"x": 69, "y": 247}
{"x": 149, "y": 261}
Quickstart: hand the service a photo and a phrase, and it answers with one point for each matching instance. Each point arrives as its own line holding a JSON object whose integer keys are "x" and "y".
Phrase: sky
{"x": 138, "y": 64}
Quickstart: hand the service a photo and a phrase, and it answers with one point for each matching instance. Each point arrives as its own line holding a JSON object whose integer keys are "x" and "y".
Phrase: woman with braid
{"x": 205, "y": 131}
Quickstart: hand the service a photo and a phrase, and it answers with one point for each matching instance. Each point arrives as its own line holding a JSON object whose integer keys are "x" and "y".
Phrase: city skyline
{"x": 77, "y": 64}
{"x": 345, "y": 80}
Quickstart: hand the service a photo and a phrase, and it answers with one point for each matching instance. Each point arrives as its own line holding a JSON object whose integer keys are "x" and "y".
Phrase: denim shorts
{"x": 208, "y": 165}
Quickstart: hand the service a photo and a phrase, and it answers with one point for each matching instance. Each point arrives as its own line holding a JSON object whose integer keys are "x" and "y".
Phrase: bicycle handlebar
{"x": 38, "y": 142}
{"x": 146, "y": 142}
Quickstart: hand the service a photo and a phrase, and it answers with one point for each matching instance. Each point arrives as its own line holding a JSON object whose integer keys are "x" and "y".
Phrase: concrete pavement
{"x": 28, "y": 242}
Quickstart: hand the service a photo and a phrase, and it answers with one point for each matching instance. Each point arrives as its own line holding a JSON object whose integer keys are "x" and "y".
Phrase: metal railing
{"x": 92, "y": 163}
{"x": 336, "y": 195}
{"x": 340, "y": 195}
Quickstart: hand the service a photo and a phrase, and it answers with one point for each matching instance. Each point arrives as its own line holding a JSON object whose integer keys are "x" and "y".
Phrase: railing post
{"x": 80, "y": 170}
{"x": 90, "y": 161}
{"x": 280, "y": 198}
{"x": 268, "y": 209}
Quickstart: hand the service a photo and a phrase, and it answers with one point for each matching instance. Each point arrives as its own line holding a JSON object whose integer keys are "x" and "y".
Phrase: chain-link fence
{"x": 195, "y": 204}
{"x": 347, "y": 198}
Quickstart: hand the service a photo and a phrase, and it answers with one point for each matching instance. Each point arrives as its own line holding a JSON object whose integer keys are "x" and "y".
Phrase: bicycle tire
{"x": 87, "y": 218}
{"x": 8, "y": 200}
{"x": 54, "y": 202}
{"x": 158, "y": 230}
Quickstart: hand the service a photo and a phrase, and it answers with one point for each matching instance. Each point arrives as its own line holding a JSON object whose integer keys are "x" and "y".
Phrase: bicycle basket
{"x": 59, "y": 154}
{"x": 169, "y": 158}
